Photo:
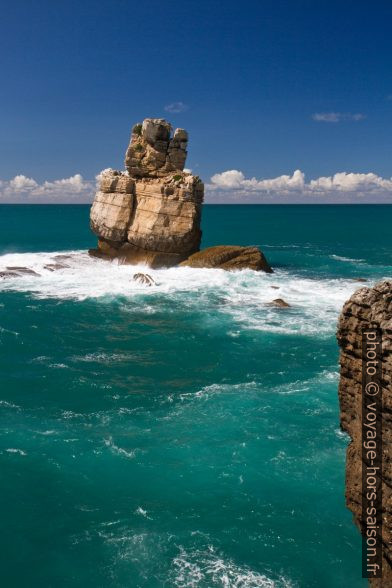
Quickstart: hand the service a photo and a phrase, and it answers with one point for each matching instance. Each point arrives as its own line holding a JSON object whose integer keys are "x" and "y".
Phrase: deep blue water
{"x": 183, "y": 435}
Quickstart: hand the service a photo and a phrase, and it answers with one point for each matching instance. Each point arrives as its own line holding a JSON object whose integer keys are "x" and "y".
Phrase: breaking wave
{"x": 243, "y": 295}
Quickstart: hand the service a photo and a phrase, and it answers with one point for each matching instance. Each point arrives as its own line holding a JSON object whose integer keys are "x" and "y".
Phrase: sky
{"x": 284, "y": 101}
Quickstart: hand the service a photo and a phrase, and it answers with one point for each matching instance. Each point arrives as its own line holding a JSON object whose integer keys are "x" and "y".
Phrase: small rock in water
{"x": 145, "y": 279}
{"x": 8, "y": 275}
{"x": 63, "y": 256}
{"x": 275, "y": 287}
{"x": 229, "y": 257}
{"x": 359, "y": 280}
{"x": 55, "y": 266}
{"x": 279, "y": 303}
{"x": 22, "y": 270}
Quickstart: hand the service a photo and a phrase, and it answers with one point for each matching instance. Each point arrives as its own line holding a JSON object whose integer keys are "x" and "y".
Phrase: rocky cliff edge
{"x": 367, "y": 307}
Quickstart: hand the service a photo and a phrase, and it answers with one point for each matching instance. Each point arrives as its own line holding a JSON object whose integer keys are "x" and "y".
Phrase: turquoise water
{"x": 187, "y": 434}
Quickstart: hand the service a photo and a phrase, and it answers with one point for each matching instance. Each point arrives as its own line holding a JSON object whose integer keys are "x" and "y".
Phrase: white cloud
{"x": 228, "y": 179}
{"x": 228, "y": 186}
{"x": 24, "y": 189}
{"x": 234, "y": 179}
{"x": 349, "y": 182}
{"x": 22, "y": 184}
{"x": 335, "y": 117}
{"x": 176, "y": 107}
{"x": 342, "y": 186}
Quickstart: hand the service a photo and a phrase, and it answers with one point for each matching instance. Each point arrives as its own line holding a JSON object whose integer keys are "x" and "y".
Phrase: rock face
{"x": 367, "y": 307}
{"x": 229, "y": 257}
{"x": 151, "y": 212}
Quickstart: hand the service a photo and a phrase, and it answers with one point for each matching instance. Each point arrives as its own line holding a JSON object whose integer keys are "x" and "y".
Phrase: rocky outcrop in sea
{"x": 151, "y": 212}
{"x": 367, "y": 307}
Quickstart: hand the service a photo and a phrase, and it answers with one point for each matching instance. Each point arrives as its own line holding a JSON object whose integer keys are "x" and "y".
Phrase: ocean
{"x": 184, "y": 435}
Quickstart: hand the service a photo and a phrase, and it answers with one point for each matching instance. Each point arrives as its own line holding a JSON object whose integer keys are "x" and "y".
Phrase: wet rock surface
{"x": 22, "y": 270}
{"x": 55, "y": 266}
{"x": 17, "y": 272}
{"x": 279, "y": 303}
{"x": 144, "y": 279}
{"x": 229, "y": 257}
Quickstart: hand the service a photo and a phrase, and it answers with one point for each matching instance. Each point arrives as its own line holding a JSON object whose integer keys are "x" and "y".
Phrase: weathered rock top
{"x": 154, "y": 151}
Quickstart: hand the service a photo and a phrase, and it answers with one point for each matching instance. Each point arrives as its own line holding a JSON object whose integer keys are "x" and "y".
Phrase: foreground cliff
{"x": 151, "y": 213}
{"x": 368, "y": 307}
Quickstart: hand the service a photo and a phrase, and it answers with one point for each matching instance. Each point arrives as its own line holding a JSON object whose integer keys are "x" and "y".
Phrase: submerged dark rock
{"x": 7, "y": 274}
{"x": 55, "y": 266}
{"x": 65, "y": 256}
{"x": 22, "y": 270}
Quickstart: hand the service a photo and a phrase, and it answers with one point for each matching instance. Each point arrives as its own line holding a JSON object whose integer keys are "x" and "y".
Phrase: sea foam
{"x": 207, "y": 568}
{"x": 242, "y": 295}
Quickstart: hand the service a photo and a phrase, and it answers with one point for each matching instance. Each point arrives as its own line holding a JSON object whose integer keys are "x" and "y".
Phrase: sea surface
{"x": 184, "y": 435}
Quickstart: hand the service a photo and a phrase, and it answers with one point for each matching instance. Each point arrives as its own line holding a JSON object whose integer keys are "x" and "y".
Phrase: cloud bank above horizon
{"x": 340, "y": 187}
{"x": 230, "y": 186}
{"x": 22, "y": 189}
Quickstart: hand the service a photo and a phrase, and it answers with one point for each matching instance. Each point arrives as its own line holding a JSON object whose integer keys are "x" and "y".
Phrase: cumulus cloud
{"x": 24, "y": 189}
{"x": 234, "y": 179}
{"x": 22, "y": 184}
{"x": 229, "y": 186}
{"x": 342, "y": 186}
{"x": 176, "y": 107}
{"x": 335, "y": 117}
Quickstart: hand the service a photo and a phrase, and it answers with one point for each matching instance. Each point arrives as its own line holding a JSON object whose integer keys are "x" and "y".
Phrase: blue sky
{"x": 266, "y": 87}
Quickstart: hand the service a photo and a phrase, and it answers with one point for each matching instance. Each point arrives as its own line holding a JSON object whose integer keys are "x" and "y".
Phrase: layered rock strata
{"x": 367, "y": 307}
{"x": 150, "y": 213}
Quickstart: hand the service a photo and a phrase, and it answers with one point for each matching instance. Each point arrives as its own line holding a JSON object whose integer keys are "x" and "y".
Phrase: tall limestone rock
{"x": 367, "y": 307}
{"x": 150, "y": 213}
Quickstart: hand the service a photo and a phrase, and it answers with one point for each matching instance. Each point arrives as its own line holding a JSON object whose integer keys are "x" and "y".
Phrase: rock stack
{"x": 367, "y": 307}
{"x": 151, "y": 212}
